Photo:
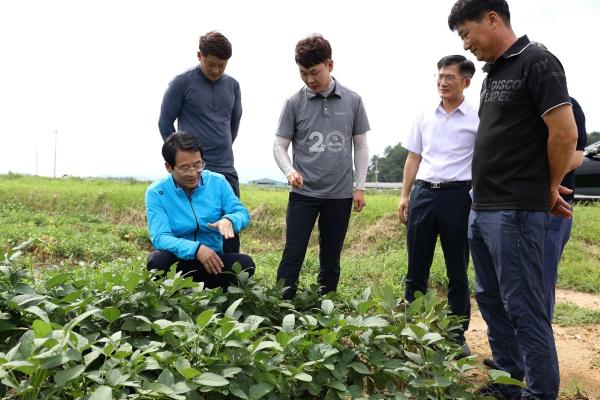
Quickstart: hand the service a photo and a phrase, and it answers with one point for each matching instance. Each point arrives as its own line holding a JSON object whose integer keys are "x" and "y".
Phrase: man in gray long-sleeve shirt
{"x": 207, "y": 103}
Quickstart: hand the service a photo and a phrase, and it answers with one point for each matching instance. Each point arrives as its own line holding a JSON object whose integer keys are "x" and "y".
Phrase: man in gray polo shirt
{"x": 326, "y": 124}
{"x": 207, "y": 103}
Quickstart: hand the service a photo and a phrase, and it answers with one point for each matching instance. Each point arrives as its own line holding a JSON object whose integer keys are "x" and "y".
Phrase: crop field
{"x": 81, "y": 318}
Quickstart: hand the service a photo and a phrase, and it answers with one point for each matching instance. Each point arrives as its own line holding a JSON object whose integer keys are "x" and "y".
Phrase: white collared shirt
{"x": 445, "y": 143}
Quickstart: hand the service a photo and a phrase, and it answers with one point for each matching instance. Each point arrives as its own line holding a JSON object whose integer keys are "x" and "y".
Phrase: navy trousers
{"x": 557, "y": 236}
{"x": 162, "y": 260}
{"x": 507, "y": 250}
{"x": 443, "y": 213}
{"x": 302, "y": 212}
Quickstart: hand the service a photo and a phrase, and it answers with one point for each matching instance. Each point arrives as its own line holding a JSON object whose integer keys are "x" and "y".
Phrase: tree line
{"x": 390, "y": 166}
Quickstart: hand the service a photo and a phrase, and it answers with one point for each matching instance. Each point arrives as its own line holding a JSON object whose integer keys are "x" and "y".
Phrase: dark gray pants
{"x": 507, "y": 248}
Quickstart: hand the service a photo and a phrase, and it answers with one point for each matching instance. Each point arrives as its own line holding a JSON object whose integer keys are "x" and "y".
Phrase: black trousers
{"x": 232, "y": 245}
{"x": 162, "y": 260}
{"x": 443, "y": 212}
{"x": 302, "y": 212}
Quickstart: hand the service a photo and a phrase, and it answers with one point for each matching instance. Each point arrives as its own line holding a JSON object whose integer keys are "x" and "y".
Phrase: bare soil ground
{"x": 578, "y": 346}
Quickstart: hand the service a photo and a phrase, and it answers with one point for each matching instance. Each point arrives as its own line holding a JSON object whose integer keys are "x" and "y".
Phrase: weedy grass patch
{"x": 120, "y": 331}
{"x": 570, "y": 314}
{"x": 103, "y": 220}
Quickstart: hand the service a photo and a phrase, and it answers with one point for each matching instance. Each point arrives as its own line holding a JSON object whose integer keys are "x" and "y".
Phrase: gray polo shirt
{"x": 321, "y": 130}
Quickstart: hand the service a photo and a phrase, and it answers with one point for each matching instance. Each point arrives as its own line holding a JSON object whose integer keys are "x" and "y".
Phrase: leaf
{"x": 38, "y": 312}
{"x": 289, "y": 323}
{"x": 327, "y": 306}
{"x": 162, "y": 324}
{"x": 360, "y": 368}
{"x": 267, "y": 344}
{"x": 303, "y": 377}
{"x": 431, "y": 337}
{"x": 372, "y": 322}
{"x": 231, "y": 372}
{"x": 366, "y": 306}
{"x": 91, "y": 356}
{"x": 210, "y": 379}
{"x": 57, "y": 280}
{"x": 62, "y": 377}
{"x": 330, "y": 338}
{"x": 111, "y": 314}
{"x": 337, "y": 385}
{"x": 254, "y": 320}
{"x": 204, "y": 318}
{"x": 503, "y": 377}
{"x": 116, "y": 377}
{"x": 166, "y": 378}
{"x": 79, "y": 318}
{"x": 235, "y": 390}
{"x": 22, "y": 299}
{"x": 41, "y": 328}
{"x": 259, "y": 390}
{"x": 102, "y": 393}
{"x": 231, "y": 309}
{"x": 131, "y": 281}
{"x": 190, "y": 373}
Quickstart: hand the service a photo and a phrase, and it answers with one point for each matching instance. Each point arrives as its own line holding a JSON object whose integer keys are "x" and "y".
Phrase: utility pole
{"x": 376, "y": 173}
{"x": 55, "y": 139}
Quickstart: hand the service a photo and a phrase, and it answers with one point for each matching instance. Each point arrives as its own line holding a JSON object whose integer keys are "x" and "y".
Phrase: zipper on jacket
{"x": 195, "y": 217}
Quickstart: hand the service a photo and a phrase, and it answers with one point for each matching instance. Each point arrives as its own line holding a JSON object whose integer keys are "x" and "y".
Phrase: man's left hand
{"x": 224, "y": 226}
{"x": 358, "y": 199}
{"x": 559, "y": 205}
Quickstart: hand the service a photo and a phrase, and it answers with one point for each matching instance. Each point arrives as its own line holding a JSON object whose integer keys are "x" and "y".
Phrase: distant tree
{"x": 390, "y": 167}
{"x": 593, "y": 137}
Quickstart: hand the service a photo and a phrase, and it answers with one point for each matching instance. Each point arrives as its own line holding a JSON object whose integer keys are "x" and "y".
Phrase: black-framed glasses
{"x": 447, "y": 78}
{"x": 191, "y": 169}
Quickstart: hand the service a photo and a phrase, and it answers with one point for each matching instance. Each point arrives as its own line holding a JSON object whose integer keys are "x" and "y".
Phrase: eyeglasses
{"x": 193, "y": 169}
{"x": 448, "y": 78}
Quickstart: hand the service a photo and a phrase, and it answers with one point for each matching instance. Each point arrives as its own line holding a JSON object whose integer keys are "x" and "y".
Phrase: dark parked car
{"x": 587, "y": 176}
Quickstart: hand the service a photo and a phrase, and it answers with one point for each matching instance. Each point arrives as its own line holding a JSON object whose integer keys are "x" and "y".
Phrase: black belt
{"x": 443, "y": 185}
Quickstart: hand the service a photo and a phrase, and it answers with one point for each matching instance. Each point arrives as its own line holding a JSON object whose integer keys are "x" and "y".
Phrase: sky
{"x": 86, "y": 78}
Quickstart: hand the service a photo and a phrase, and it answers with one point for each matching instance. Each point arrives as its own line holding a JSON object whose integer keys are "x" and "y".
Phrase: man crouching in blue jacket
{"x": 190, "y": 212}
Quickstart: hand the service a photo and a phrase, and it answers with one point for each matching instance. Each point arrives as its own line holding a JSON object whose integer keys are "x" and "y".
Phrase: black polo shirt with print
{"x": 510, "y": 160}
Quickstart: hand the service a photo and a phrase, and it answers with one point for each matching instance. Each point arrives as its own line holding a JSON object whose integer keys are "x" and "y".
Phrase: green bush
{"x": 120, "y": 331}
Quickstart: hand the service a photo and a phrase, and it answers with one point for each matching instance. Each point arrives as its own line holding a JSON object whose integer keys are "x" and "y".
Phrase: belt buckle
{"x": 435, "y": 185}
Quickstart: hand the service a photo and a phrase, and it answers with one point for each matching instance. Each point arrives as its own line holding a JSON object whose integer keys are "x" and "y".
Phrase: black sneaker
{"x": 497, "y": 391}
{"x": 465, "y": 351}
{"x": 488, "y": 362}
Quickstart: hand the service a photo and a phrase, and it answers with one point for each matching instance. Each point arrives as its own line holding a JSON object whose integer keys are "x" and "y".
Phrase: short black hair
{"x": 465, "y": 66}
{"x": 180, "y": 141}
{"x": 474, "y": 10}
{"x": 312, "y": 50}
{"x": 216, "y": 44}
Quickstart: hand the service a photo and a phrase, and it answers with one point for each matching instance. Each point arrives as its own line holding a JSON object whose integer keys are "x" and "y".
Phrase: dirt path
{"x": 584, "y": 300}
{"x": 578, "y": 351}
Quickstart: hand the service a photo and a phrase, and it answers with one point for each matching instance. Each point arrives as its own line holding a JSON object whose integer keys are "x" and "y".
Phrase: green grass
{"x": 103, "y": 220}
{"x": 569, "y": 314}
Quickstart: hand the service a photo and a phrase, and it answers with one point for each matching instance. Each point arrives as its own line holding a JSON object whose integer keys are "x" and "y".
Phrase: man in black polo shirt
{"x": 524, "y": 145}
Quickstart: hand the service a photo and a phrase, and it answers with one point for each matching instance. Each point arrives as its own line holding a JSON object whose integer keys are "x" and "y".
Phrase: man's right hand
{"x": 210, "y": 259}
{"x": 403, "y": 209}
{"x": 559, "y": 205}
{"x": 295, "y": 179}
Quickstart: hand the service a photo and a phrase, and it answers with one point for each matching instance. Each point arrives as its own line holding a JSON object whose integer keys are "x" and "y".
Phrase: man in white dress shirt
{"x": 438, "y": 171}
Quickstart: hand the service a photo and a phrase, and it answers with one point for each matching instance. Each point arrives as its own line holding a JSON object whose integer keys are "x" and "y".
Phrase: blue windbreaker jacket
{"x": 179, "y": 224}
